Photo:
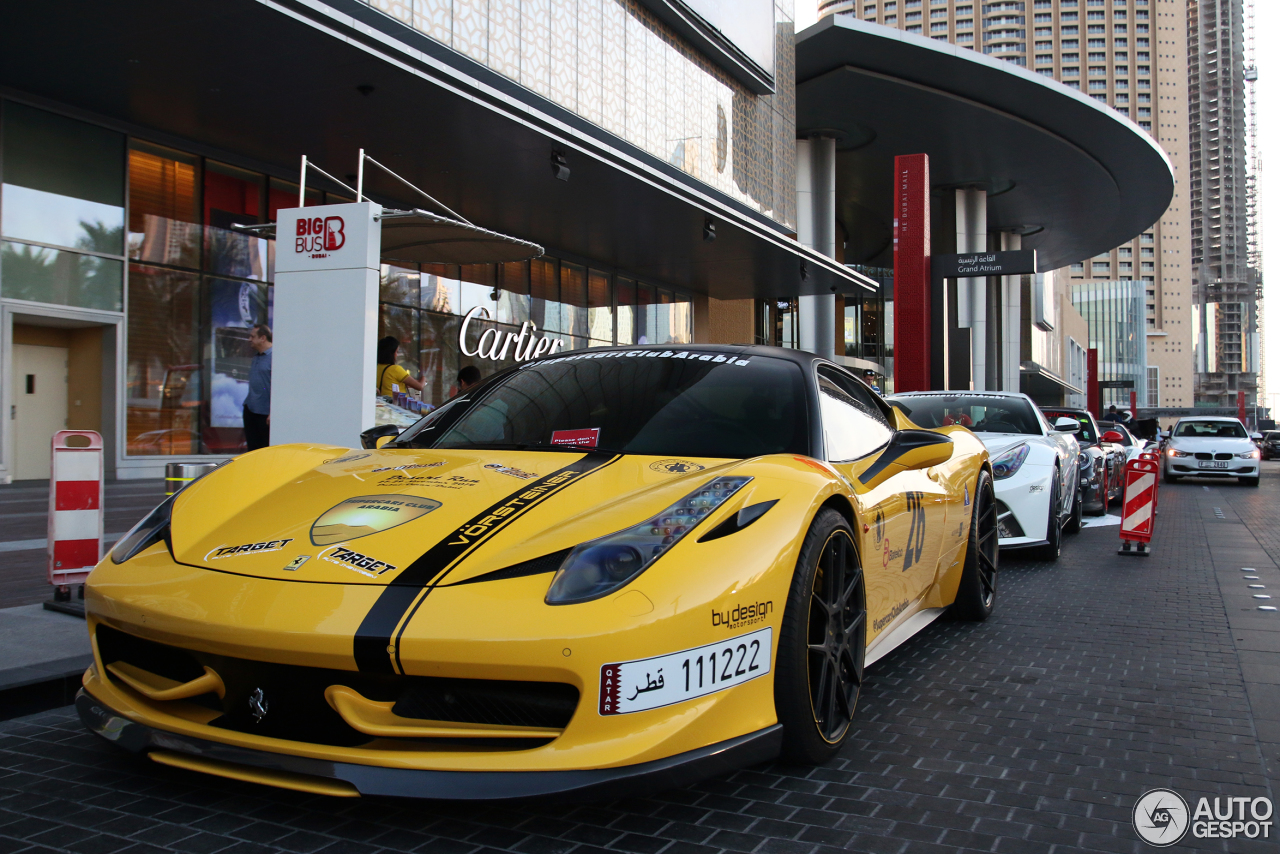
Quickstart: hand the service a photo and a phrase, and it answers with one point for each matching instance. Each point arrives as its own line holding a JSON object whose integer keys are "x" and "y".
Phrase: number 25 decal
{"x": 915, "y": 536}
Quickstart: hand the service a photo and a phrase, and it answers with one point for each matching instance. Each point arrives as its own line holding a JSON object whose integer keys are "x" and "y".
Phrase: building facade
{"x": 127, "y": 292}
{"x": 1226, "y": 288}
{"x": 1130, "y": 55}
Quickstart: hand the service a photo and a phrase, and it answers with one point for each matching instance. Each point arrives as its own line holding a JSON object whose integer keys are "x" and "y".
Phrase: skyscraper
{"x": 1131, "y": 55}
{"x": 1225, "y": 288}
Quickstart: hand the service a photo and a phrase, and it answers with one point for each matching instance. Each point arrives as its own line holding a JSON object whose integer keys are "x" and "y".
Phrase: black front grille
{"x": 538, "y": 704}
{"x": 1203, "y": 455}
{"x": 298, "y": 711}
{"x": 1223, "y": 456}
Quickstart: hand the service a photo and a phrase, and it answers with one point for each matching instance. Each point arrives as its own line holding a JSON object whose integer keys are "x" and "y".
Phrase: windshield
{"x": 979, "y": 413}
{"x": 1211, "y": 430}
{"x": 641, "y": 402}
{"x": 1086, "y": 434}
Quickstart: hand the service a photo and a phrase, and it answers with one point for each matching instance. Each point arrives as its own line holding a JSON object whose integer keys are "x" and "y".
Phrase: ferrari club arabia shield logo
{"x": 367, "y": 514}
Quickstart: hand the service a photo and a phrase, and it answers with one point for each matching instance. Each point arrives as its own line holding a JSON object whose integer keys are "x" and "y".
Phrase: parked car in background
{"x": 1101, "y": 462}
{"x": 1120, "y": 434}
{"x": 1037, "y": 468}
{"x": 1270, "y": 445}
{"x": 1211, "y": 447}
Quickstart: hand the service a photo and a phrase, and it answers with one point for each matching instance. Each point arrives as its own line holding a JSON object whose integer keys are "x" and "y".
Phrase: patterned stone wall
{"x": 615, "y": 64}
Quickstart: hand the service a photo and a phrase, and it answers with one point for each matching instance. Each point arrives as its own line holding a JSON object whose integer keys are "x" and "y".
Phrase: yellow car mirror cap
{"x": 907, "y": 450}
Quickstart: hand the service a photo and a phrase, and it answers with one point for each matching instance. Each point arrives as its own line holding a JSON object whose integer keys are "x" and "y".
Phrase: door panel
{"x": 39, "y": 398}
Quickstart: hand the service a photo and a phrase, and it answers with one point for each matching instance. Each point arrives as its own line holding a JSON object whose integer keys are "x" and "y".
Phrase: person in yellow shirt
{"x": 389, "y": 373}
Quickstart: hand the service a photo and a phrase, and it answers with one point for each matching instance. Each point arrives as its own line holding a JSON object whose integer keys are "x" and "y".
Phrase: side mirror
{"x": 908, "y": 450}
{"x": 1113, "y": 437}
{"x": 376, "y": 437}
{"x": 1066, "y": 425}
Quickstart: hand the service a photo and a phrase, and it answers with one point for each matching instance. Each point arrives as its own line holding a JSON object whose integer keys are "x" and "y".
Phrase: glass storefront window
{"x": 234, "y": 197}
{"x": 573, "y": 299}
{"x": 599, "y": 309}
{"x": 63, "y": 181}
{"x": 164, "y": 209}
{"x": 513, "y": 297}
{"x": 625, "y": 289}
{"x": 64, "y": 278}
{"x": 399, "y": 285}
{"x": 162, "y": 369}
{"x": 544, "y": 293}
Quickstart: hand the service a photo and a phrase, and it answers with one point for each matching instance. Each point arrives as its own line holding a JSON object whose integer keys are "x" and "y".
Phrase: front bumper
{"x": 349, "y": 779}
{"x": 1023, "y": 507}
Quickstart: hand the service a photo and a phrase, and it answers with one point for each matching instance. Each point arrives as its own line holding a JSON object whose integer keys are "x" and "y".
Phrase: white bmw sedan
{"x": 1213, "y": 447}
{"x": 1036, "y": 467}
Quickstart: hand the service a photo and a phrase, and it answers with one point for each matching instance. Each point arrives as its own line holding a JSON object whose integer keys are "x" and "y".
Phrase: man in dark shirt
{"x": 257, "y": 403}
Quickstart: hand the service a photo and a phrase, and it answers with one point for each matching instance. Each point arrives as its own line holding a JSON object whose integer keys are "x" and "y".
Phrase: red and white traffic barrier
{"x": 1138, "y": 518}
{"x": 75, "y": 508}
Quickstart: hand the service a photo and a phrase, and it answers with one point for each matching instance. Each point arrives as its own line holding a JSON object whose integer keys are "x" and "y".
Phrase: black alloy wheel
{"x": 976, "y": 596}
{"x": 1076, "y": 520}
{"x": 822, "y": 650}
{"x": 1052, "y": 549}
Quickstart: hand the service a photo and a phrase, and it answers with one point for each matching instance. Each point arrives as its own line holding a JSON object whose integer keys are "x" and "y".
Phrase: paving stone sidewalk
{"x": 1099, "y": 678}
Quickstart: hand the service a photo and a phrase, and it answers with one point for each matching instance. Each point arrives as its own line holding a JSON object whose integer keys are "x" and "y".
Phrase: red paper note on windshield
{"x": 585, "y": 438}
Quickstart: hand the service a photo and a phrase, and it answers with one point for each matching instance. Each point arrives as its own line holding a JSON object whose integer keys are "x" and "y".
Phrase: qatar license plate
{"x": 650, "y": 683}
{"x": 1213, "y": 464}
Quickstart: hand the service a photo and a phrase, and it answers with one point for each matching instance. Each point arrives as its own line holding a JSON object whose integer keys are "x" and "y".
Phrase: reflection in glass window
{"x": 851, "y": 428}
{"x": 63, "y": 278}
{"x": 544, "y": 292}
{"x": 573, "y": 299}
{"x": 599, "y": 309}
{"x": 63, "y": 181}
{"x": 398, "y": 285}
{"x": 164, "y": 215}
{"x": 234, "y": 197}
{"x": 162, "y": 370}
{"x": 625, "y": 290}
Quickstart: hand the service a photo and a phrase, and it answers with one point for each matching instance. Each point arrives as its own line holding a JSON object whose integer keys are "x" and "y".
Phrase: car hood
{"x": 997, "y": 443}
{"x": 332, "y": 515}
{"x": 1192, "y": 444}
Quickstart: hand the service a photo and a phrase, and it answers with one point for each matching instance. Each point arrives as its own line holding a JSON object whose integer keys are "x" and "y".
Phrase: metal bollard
{"x": 178, "y": 475}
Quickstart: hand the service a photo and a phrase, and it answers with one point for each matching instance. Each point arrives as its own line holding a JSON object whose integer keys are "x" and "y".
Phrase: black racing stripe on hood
{"x": 376, "y": 645}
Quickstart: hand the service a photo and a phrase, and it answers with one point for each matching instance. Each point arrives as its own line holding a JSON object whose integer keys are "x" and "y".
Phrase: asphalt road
{"x": 1099, "y": 678}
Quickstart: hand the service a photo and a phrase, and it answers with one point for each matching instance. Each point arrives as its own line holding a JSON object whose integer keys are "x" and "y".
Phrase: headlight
{"x": 1008, "y": 463}
{"x": 1174, "y": 452}
{"x": 148, "y": 532}
{"x": 1248, "y": 455}
{"x": 601, "y": 566}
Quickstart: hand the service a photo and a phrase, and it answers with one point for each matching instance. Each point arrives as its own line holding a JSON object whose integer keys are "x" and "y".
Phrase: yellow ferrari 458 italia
{"x": 602, "y": 570}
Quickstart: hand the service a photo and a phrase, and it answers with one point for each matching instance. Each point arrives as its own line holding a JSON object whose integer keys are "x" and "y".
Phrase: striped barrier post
{"x": 75, "y": 509}
{"x": 1154, "y": 458}
{"x": 1138, "y": 518}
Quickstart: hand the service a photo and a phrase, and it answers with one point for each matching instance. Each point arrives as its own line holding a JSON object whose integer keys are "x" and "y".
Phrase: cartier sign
{"x": 497, "y": 345}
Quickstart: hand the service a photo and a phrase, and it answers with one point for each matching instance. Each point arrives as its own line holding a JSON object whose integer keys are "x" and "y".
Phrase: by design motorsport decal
{"x": 742, "y": 615}
{"x": 675, "y": 466}
{"x": 658, "y": 354}
{"x": 368, "y": 514}
{"x": 350, "y": 458}
{"x": 1162, "y": 818}
{"x": 248, "y": 548}
{"x": 363, "y": 564}
{"x": 409, "y": 467}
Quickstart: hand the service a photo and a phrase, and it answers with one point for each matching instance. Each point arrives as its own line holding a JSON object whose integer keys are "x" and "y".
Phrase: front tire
{"x": 823, "y": 643}
{"x": 1252, "y": 481}
{"x": 1170, "y": 478}
{"x": 976, "y": 597}
{"x": 1052, "y": 549}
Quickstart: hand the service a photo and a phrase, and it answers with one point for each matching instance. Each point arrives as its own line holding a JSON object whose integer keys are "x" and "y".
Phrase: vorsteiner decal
{"x": 376, "y": 645}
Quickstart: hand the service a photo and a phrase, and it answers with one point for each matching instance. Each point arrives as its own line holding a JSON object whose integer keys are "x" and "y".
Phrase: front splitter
{"x": 594, "y": 784}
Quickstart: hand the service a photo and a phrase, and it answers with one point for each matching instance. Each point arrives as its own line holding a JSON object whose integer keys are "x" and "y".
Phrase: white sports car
{"x": 1210, "y": 446}
{"x": 1036, "y": 467}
